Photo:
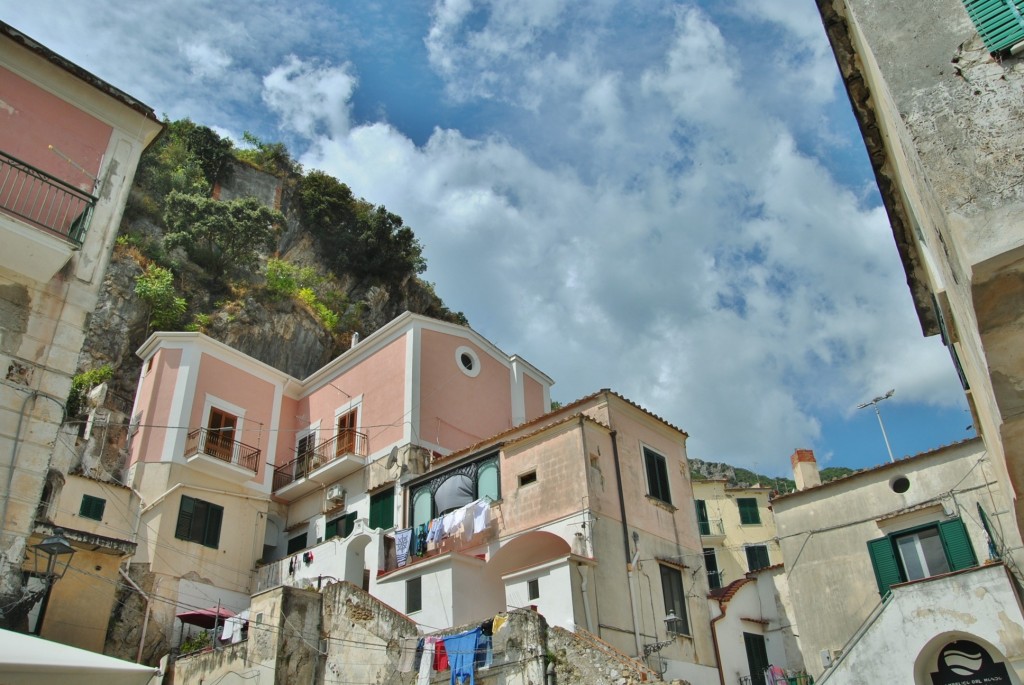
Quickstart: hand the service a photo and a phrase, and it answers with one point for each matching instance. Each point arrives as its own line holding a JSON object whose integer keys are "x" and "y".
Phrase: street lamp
{"x": 874, "y": 403}
{"x": 56, "y": 551}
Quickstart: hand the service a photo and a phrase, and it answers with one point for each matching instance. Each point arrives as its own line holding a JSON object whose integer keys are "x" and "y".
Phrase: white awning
{"x": 30, "y": 660}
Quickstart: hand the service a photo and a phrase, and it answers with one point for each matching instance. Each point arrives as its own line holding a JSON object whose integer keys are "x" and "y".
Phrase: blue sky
{"x": 670, "y": 199}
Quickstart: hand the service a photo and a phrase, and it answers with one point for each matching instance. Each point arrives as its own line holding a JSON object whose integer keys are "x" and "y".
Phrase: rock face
{"x": 283, "y": 334}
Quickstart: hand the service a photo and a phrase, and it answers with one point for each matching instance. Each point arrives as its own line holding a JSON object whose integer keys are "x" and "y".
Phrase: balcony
{"x": 43, "y": 219}
{"x": 214, "y": 452}
{"x": 330, "y": 461}
{"x": 712, "y": 528}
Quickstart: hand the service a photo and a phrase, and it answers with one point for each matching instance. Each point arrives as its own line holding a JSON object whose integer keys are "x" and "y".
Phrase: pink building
{"x": 422, "y": 465}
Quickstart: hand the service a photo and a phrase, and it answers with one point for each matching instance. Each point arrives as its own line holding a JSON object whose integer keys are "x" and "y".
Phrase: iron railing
{"x": 346, "y": 443}
{"x": 711, "y": 527}
{"x": 43, "y": 200}
{"x": 219, "y": 446}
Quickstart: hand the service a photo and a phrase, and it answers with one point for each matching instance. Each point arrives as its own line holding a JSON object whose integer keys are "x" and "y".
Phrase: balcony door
{"x": 220, "y": 439}
{"x": 346, "y": 443}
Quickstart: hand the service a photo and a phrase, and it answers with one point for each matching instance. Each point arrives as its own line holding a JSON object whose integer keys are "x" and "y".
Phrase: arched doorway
{"x": 959, "y": 658}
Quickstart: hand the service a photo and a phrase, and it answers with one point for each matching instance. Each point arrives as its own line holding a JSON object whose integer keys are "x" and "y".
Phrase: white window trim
{"x": 354, "y": 404}
{"x": 214, "y": 402}
{"x": 471, "y": 353}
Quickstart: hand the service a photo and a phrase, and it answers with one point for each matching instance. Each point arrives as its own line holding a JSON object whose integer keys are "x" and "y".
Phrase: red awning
{"x": 205, "y": 618}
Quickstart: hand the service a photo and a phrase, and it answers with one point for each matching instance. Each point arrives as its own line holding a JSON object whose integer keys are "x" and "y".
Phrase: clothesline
{"x": 470, "y": 519}
{"x": 462, "y": 653}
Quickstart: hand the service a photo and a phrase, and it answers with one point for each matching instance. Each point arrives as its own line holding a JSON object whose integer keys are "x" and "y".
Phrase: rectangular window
{"x": 527, "y": 478}
{"x": 749, "y": 515}
{"x": 657, "y": 475}
{"x": 711, "y": 565}
{"x": 921, "y": 553}
{"x": 303, "y": 455}
{"x": 757, "y": 557}
{"x": 675, "y": 601}
{"x": 757, "y": 657}
{"x": 533, "y": 588}
{"x": 297, "y": 544}
{"x": 341, "y": 526}
{"x": 220, "y": 438}
{"x": 413, "y": 595}
{"x": 702, "y": 517}
{"x": 199, "y": 521}
{"x": 382, "y": 509}
{"x": 92, "y": 507}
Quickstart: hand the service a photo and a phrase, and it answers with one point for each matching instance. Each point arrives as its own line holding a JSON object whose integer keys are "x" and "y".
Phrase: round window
{"x": 900, "y": 484}
{"x": 467, "y": 361}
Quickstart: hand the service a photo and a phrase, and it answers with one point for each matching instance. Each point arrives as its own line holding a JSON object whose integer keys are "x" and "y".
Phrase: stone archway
{"x": 960, "y": 658}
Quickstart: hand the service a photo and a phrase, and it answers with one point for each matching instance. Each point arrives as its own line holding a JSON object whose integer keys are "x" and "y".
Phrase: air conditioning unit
{"x": 336, "y": 493}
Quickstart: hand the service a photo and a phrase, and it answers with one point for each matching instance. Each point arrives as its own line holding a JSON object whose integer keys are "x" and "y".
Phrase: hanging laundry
{"x": 407, "y": 651}
{"x": 436, "y": 530}
{"x": 461, "y": 650}
{"x": 421, "y": 540}
{"x": 402, "y": 539}
{"x": 440, "y": 656}
{"x": 499, "y": 622}
{"x": 484, "y": 646}
{"x": 291, "y": 566}
{"x": 426, "y": 660}
{"x": 481, "y": 515}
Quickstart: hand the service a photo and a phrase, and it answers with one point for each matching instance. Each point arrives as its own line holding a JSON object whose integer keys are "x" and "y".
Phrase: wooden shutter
{"x": 702, "y": 517}
{"x": 382, "y": 509}
{"x": 183, "y": 529}
{"x": 883, "y": 559}
{"x": 214, "y": 517}
{"x": 749, "y": 514}
{"x": 999, "y": 22}
{"x": 957, "y": 544}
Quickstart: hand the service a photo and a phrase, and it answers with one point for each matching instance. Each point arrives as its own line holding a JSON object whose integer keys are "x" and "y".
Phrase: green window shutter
{"x": 297, "y": 544}
{"x": 957, "y": 544}
{"x": 350, "y": 524}
{"x": 749, "y": 514}
{"x": 702, "y": 517}
{"x": 92, "y": 507}
{"x": 331, "y": 529}
{"x": 883, "y": 559}
{"x": 183, "y": 529}
{"x": 382, "y": 509}
{"x": 999, "y": 22}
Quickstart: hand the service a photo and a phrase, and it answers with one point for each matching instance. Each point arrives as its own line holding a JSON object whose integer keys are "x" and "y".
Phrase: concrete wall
{"x": 903, "y": 644}
{"x": 943, "y": 124}
{"x": 824, "y": 533}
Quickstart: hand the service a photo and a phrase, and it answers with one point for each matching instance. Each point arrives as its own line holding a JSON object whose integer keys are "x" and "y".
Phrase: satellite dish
{"x": 393, "y": 457}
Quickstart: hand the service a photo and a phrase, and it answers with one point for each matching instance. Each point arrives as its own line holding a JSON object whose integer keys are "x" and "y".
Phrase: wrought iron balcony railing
{"x": 711, "y": 527}
{"x": 43, "y": 200}
{"x": 218, "y": 445}
{"x": 346, "y": 443}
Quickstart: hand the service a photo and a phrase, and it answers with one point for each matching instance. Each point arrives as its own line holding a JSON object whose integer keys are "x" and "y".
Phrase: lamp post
{"x": 874, "y": 403}
{"x": 56, "y": 551}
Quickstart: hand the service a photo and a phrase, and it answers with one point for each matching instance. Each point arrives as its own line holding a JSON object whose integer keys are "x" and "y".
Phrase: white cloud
{"x": 306, "y": 96}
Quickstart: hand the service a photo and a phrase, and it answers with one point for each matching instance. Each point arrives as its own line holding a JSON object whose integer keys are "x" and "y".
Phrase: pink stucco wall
{"x": 380, "y": 381}
{"x": 561, "y": 485}
{"x": 533, "y": 396}
{"x": 155, "y": 394}
{"x": 231, "y": 384}
{"x": 456, "y": 410}
{"x": 31, "y": 120}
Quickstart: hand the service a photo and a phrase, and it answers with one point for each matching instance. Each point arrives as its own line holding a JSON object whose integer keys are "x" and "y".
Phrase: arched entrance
{"x": 960, "y": 658}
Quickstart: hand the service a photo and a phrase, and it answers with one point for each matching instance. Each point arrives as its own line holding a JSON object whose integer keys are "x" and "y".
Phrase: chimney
{"x": 805, "y": 469}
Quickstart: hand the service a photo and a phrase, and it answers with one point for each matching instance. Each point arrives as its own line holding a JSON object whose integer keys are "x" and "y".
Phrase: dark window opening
{"x": 413, "y": 595}
{"x": 900, "y": 484}
{"x": 657, "y": 475}
{"x": 711, "y": 565}
{"x": 527, "y": 478}
{"x": 533, "y": 588}
{"x": 297, "y": 544}
{"x": 677, "y": 622}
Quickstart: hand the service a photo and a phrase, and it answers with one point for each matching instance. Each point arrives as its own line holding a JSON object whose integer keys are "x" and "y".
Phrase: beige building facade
{"x": 69, "y": 147}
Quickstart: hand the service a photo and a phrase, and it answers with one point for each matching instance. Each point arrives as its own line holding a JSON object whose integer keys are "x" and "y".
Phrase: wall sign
{"x": 965, "y": 663}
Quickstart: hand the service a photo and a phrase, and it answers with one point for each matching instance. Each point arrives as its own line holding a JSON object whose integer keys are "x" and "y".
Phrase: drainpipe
{"x": 145, "y": 620}
{"x": 714, "y": 642}
{"x": 586, "y": 601}
{"x": 632, "y": 557}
